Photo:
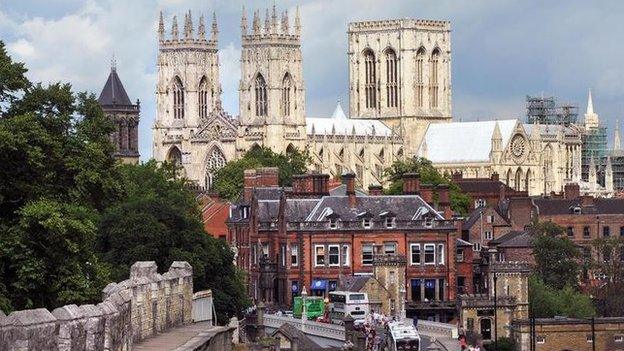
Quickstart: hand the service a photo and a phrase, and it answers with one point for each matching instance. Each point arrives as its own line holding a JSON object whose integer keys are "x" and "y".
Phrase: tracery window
{"x": 203, "y": 98}
{"x": 286, "y": 85}
{"x": 261, "y": 96}
{"x": 420, "y": 82}
{"x": 175, "y": 157}
{"x": 434, "y": 86}
{"x": 391, "y": 79}
{"x": 178, "y": 98}
{"x": 216, "y": 161}
{"x": 370, "y": 87}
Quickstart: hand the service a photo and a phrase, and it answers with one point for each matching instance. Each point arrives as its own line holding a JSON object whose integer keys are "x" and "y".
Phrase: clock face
{"x": 518, "y": 144}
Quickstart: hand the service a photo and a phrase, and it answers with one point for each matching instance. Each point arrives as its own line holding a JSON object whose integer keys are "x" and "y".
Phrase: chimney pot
{"x": 349, "y": 180}
{"x": 411, "y": 183}
{"x": 571, "y": 191}
{"x": 375, "y": 190}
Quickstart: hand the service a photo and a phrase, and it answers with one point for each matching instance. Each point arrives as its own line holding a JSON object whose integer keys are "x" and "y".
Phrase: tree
{"x": 228, "y": 180}
{"x": 548, "y": 302}
{"x": 460, "y": 202}
{"x": 608, "y": 265}
{"x": 502, "y": 344}
{"x": 556, "y": 256}
{"x": 158, "y": 220}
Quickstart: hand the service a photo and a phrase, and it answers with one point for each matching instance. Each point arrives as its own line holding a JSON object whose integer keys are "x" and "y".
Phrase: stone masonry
{"x": 132, "y": 310}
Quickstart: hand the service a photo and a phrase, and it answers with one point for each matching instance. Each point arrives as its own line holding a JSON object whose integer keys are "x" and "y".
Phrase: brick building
{"x": 215, "y": 213}
{"x": 304, "y": 236}
{"x": 485, "y": 191}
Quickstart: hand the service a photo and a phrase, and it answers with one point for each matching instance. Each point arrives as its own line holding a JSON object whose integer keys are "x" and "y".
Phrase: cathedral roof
{"x": 465, "y": 141}
{"x": 113, "y": 92}
{"x": 339, "y": 124}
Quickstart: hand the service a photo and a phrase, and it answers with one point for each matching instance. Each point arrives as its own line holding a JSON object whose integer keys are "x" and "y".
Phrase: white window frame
{"x": 480, "y": 203}
{"x": 394, "y": 251}
{"x": 459, "y": 255}
{"x": 488, "y": 235}
{"x": 540, "y": 339}
{"x": 489, "y": 218}
{"x": 412, "y": 246}
{"x": 316, "y": 256}
{"x": 372, "y": 252}
{"x": 294, "y": 252}
{"x": 390, "y": 222}
{"x": 345, "y": 255}
{"x": 367, "y": 223}
{"x": 425, "y": 246}
{"x": 265, "y": 250}
{"x": 440, "y": 254}
{"x": 333, "y": 223}
{"x": 329, "y": 254}
{"x": 477, "y": 247}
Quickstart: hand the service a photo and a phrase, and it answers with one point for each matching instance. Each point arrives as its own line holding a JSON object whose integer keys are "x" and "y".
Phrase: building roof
{"x": 481, "y": 185}
{"x": 113, "y": 92}
{"x": 354, "y": 283}
{"x": 339, "y": 124}
{"x": 304, "y": 343}
{"x": 515, "y": 238}
{"x": 464, "y": 141}
{"x": 550, "y": 206}
{"x": 476, "y": 215}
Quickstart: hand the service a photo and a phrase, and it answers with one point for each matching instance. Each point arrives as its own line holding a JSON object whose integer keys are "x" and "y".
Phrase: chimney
{"x": 587, "y": 200}
{"x": 310, "y": 185}
{"x": 249, "y": 182}
{"x": 411, "y": 184}
{"x": 349, "y": 180}
{"x": 444, "y": 200}
{"x": 495, "y": 177}
{"x": 375, "y": 190}
{"x": 571, "y": 191}
{"x": 426, "y": 193}
{"x": 502, "y": 193}
{"x": 267, "y": 177}
{"x": 457, "y": 176}
{"x": 320, "y": 184}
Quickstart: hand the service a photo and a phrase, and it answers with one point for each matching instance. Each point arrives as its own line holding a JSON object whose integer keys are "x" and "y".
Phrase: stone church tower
{"x": 125, "y": 115}
{"x": 400, "y": 73}
{"x": 271, "y": 91}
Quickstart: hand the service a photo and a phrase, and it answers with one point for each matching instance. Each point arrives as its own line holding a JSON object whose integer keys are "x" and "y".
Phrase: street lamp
{"x": 304, "y": 312}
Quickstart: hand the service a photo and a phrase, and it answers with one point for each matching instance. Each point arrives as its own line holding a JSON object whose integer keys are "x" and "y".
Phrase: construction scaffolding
{"x": 594, "y": 146}
{"x": 617, "y": 165}
{"x": 544, "y": 110}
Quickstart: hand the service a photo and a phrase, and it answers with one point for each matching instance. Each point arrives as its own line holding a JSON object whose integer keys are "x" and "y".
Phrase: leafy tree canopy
{"x": 556, "y": 256}
{"x": 608, "y": 263}
{"x": 460, "y": 202}
{"x": 547, "y": 302}
{"x": 228, "y": 181}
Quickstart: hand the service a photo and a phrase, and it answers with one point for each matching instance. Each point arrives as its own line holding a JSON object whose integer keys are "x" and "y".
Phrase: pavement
{"x": 179, "y": 337}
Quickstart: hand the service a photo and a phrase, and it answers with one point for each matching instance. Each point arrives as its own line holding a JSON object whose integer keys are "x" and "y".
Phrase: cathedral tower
{"x": 400, "y": 72}
{"x": 271, "y": 91}
{"x": 188, "y": 87}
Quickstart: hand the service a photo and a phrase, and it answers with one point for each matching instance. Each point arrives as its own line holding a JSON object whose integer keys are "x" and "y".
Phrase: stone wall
{"x": 130, "y": 311}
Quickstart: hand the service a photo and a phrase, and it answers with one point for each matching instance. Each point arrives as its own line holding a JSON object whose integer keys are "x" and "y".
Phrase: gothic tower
{"x": 188, "y": 88}
{"x": 400, "y": 72}
{"x": 271, "y": 91}
{"x": 125, "y": 115}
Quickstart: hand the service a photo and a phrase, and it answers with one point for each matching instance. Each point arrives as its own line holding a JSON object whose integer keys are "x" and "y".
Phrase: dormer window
{"x": 428, "y": 222}
{"x": 480, "y": 203}
{"x": 366, "y": 223}
{"x": 576, "y": 210}
{"x": 333, "y": 223}
{"x": 244, "y": 212}
{"x": 390, "y": 222}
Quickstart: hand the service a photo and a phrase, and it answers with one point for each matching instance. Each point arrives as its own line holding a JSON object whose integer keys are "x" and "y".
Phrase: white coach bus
{"x": 342, "y": 303}
{"x": 403, "y": 337}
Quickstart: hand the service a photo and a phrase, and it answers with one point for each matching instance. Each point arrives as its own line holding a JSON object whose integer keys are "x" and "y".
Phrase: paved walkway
{"x": 181, "y": 337}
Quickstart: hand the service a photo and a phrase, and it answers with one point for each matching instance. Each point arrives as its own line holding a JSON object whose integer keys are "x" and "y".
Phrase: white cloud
{"x": 22, "y": 48}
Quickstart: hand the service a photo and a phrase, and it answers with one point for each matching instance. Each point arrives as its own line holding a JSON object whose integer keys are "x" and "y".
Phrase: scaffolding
{"x": 594, "y": 146}
{"x": 617, "y": 165}
{"x": 544, "y": 110}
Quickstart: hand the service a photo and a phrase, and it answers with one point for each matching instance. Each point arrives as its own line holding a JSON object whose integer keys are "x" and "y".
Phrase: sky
{"x": 502, "y": 50}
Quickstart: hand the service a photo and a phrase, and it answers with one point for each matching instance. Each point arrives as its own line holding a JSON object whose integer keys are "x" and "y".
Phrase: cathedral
{"x": 400, "y": 98}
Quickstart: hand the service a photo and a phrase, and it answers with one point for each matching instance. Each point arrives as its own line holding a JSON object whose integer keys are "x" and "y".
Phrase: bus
{"x": 315, "y": 307}
{"x": 342, "y": 303}
{"x": 402, "y": 337}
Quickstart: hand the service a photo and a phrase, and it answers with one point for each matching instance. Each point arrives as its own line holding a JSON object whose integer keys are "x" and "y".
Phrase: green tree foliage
{"x": 608, "y": 262}
{"x": 12, "y": 78}
{"x": 460, "y": 202}
{"x": 547, "y": 302}
{"x": 556, "y": 256}
{"x": 502, "y": 344}
{"x": 158, "y": 220}
{"x": 228, "y": 181}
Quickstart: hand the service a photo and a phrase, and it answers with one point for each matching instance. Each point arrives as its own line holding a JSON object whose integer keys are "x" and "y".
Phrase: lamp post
{"x": 304, "y": 312}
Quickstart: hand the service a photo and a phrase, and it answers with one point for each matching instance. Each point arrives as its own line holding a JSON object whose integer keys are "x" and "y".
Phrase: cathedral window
{"x": 261, "y": 96}
{"x": 175, "y": 157}
{"x": 286, "y": 85}
{"x": 371, "y": 81}
{"x": 433, "y": 88}
{"x": 203, "y": 98}
{"x": 391, "y": 79}
{"x": 216, "y": 161}
{"x": 178, "y": 99}
{"x": 420, "y": 85}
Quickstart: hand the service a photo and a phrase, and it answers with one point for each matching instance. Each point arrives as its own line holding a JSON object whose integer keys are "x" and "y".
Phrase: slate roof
{"x": 462, "y": 243}
{"x": 341, "y": 125}
{"x": 515, "y": 238}
{"x": 476, "y": 214}
{"x": 113, "y": 92}
{"x": 304, "y": 342}
{"x": 354, "y": 283}
{"x": 565, "y": 206}
{"x": 482, "y": 186}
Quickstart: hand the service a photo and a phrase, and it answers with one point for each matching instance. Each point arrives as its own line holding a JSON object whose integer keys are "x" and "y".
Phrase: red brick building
{"x": 215, "y": 213}
{"x": 304, "y": 236}
{"x": 486, "y": 191}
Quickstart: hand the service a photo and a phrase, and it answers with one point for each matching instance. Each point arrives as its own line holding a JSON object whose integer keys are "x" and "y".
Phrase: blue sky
{"x": 502, "y": 50}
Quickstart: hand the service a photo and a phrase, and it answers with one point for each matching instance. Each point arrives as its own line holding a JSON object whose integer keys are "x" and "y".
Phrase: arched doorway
{"x": 486, "y": 328}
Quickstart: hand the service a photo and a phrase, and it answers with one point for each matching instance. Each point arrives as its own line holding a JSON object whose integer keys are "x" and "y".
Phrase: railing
{"x": 324, "y": 330}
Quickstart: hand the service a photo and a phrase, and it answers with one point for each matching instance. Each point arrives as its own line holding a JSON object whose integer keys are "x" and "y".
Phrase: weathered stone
{"x": 143, "y": 269}
{"x": 94, "y": 327}
{"x": 33, "y": 330}
{"x": 71, "y": 331}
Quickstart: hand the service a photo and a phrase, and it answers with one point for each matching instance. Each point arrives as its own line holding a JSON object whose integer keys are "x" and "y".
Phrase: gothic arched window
{"x": 434, "y": 84}
{"x": 216, "y": 160}
{"x": 261, "y": 95}
{"x": 178, "y": 98}
{"x": 420, "y": 81}
{"x": 391, "y": 79}
{"x": 286, "y": 85}
{"x": 203, "y": 98}
{"x": 175, "y": 157}
{"x": 370, "y": 87}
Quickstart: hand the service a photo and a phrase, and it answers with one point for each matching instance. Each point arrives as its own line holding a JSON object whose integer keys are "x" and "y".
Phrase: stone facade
{"x": 132, "y": 310}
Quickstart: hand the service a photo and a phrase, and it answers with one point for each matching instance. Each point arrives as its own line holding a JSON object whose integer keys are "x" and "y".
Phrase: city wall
{"x": 132, "y": 310}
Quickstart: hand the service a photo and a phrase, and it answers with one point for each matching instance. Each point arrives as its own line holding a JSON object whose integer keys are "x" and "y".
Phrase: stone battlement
{"x": 130, "y": 311}
{"x": 404, "y": 23}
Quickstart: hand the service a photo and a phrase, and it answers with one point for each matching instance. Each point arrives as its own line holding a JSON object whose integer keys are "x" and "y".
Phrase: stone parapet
{"x": 130, "y": 311}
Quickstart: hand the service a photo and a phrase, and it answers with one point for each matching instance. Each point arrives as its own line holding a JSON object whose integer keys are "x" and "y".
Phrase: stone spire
{"x": 591, "y": 118}
{"x": 616, "y": 137}
{"x": 609, "y": 175}
{"x": 188, "y": 26}
{"x": 285, "y": 24}
{"x": 244, "y": 22}
{"x": 256, "y": 23}
{"x": 496, "y": 141}
{"x": 215, "y": 28}
{"x": 201, "y": 29}
{"x": 267, "y": 22}
{"x": 273, "y": 19}
{"x": 593, "y": 179}
{"x": 161, "y": 27}
{"x": 297, "y": 22}
{"x": 174, "y": 28}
